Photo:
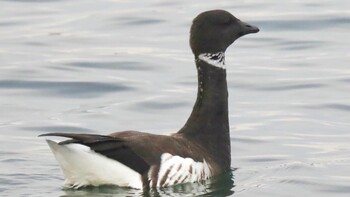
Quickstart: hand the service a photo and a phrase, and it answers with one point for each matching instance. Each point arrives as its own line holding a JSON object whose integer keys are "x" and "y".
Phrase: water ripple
{"x": 66, "y": 88}
{"x": 347, "y": 80}
{"x": 300, "y": 45}
{"x": 33, "y": 1}
{"x": 291, "y": 87}
{"x": 337, "y": 189}
{"x": 138, "y": 21}
{"x": 324, "y": 186}
{"x": 156, "y": 105}
{"x": 279, "y": 87}
{"x": 59, "y": 129}
{"x": 336, "y": 106}
{"x": 303, "y": 24}
{"x": 126, "y": 65}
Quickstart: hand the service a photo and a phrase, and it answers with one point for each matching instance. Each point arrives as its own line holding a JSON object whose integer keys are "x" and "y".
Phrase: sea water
{"x": 111, "y": 65}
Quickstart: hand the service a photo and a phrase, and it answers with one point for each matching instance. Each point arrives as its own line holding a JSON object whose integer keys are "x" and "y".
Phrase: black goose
{"x": 199, "y": 150}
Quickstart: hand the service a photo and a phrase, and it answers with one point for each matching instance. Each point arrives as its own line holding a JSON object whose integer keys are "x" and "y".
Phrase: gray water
{"x": 102, "y": 66}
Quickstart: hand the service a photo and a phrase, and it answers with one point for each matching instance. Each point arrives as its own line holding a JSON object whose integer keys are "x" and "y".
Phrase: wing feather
{"x": 109, "y": 146}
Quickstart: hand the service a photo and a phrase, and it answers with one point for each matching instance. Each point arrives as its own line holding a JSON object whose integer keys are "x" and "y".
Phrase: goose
{"x": 199, "y": 150}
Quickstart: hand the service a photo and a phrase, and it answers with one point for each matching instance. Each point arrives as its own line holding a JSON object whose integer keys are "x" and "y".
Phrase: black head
{"x": 213, "y": 31}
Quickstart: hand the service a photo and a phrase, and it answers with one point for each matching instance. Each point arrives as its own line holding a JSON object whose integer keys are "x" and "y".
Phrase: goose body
{"x": 199, "y": 150}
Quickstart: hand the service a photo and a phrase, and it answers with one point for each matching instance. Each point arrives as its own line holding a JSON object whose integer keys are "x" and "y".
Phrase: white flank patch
{"x": 175, "y": 169}
{"x": 215, "y": 59}
{"x": 81, "y": 166}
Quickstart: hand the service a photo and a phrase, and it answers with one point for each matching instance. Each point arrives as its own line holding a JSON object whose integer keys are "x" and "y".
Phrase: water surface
{"x": 103, "y": 66}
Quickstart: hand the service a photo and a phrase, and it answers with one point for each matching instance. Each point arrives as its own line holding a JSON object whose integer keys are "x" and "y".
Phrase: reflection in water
{"x": 217, "y": 186}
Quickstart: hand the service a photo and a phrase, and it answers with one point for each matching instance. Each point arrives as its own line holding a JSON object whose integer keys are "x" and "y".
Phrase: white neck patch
{"x": 214, "y": 59}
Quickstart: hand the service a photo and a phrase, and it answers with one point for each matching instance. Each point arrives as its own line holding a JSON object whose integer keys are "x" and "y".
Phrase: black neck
{"x": 208, "y": 123}
{"x": 210, "y": 112}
